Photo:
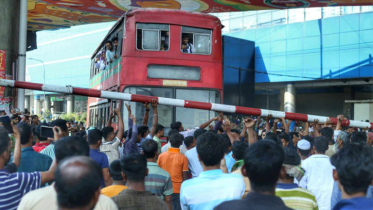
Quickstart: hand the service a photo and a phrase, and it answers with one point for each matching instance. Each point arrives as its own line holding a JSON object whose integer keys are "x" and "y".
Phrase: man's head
{"x": 68, "y": 125}
{"x": 34, "y": 119}
{"x": 115, "y": 41}
{"x": 77, "y": 183}
{"x": 210, "y": 149}
{"x": 159, "y": 131}
{"x": 238, "y": 149}
{"x": 185, "y": 39}
{"x": 70, "y": 146}
{"x": 95, "y": 137}
{"x": 143, "y": 131}
{"x": 15, "y": 119}
{"x": 273, "y": 137}
{"x": 109, "y": 45}
{"x": 359, "y": 137}
{"x": 177, "y": 125}
{"x": 263, "y": 162}
{"x": 227, "y": 143}
{"x": 190, "y": 142}
{"x": 172, "y": 131}
{"x": 199, "y": 132}
{"x": 285, "y": 138}
{"x": 343, "y": 139}
{"x": 37, "y": 132}
{"x": 26, "y": 133}
{"x": 321, "y": 144}
{"x": 353, "y": 168}
{"x": 150, "y": 148}
{"x": 2, "y": 112}
{"x": 291, "y": 169}
{"x": 328, "y": 133}
{"x": 5, "y": 146}
{"x": 134, "y": 168}
{"x": 115, "y": 170}
{"x": 176, "y": 140}
{"x": 62, "y": 124}
{"x": 108, "y": 133}
{"x": 304, "y": 148}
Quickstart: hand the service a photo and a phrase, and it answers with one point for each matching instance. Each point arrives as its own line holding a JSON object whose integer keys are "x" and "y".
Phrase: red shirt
{"x": 39, "y": 146}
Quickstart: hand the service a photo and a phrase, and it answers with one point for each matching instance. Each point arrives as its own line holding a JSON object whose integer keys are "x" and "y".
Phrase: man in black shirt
{"x": 263, "y": 162}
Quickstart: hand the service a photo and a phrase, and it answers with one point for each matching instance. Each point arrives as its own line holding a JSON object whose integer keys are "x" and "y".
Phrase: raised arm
{"x": 268, "y": 128}
{"x": 219, "y": 122}
{"x": 48, "y": 176}
{"x": 316, "y": 128}
{"x": 154, "y": 105}
{"x": 249, "y": 123}
{"x": 307, "y": 128}
{"x": 205, "y": 124}
{"x": 286, "y": 126}
{"x": 121, "y": 124}
{"x": 243, "y": 132}
{"x": 108, "y": 124}
{"x": 339, "y": 122}
{"x": 146, "y": 116}
{"x": 274, "y": 129}
{"x": 227, "y": 125}
{"x": 17, "y": 148}
{"x": 134, "y": 130}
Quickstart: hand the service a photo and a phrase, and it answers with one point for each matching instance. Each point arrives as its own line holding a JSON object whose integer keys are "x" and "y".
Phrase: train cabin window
{"x": 154, "y": 37}
{"x": 196, "y": 40}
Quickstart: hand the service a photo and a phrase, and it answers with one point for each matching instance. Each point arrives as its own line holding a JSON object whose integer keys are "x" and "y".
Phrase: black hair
{"x": 60, "y": 123}
{"x": 212, "y": 131}
{"x": 114, "y": 39}
{"x": 115, "y": 170}
{"x": 235, "y": 131}
{"x": 81, "y": 134}
{"x": 304, "y": 152}
{"x": 150, "y": 147}
{"x": 273, "y": 137}
{"x": 76, "y": 190}
{"x": 127, "y": 132}
{"x": 328, "y": 134}
{"x": 221, "y": 130}
{"x": 185, "y": 36}
{"x": 25, "y": 131}
{"x": 134, "y": 167}
{"x": 188, "y": 141}
{"x": 176, "y": 125}
{"x": 4, "y": 140}
{"x": 37, "y": 132}
{"x": 108, "y": 41}
{"x": 354, "y": 165}
{"x": 106, "y": 131}
{"x": 172, "y": 131}
{"x": 238, "y": 149}
{"x": 210, "y": 148}
{"x": 176, "y": 140}
{"x": 291, "y": 157}
{"x": 94, "y": 136}
{"x": 284, "y": 136}
{"x": 294, "y": 134}
{"x": 142, "y": 130}
{"x": 308, "y": 138}
{"x": 359, "y": 137}
{"x": 199, "y": 132}
{"x": 263, "y": 162}
{"x": 226, "y": 142}
{"x": 321, "y": 144}
{"x": 158, "y": 128}
{"x": 70, "y": 146}
{"x": 33, "y": 116}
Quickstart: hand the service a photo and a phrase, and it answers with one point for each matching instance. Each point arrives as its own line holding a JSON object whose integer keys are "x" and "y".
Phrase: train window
{"x": 153, "y": 37}
{"x": 196, "y": 40}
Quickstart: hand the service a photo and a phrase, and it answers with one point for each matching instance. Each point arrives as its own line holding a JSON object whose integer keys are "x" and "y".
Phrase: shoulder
{"x": 43, "y": 156}
{"x": 229, "y": 205}
{"x": 105, "y": 202}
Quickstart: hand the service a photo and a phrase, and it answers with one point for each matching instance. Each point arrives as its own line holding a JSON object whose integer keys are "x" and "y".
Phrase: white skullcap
{"x": 304, "y": 145}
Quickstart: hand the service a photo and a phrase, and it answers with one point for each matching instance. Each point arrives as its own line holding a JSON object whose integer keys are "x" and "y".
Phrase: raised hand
{"x": 249, "y": 122}
{"x": 268, "y": 117}
{"x": 154, "y": 103}
{"x": 146, "y": 105}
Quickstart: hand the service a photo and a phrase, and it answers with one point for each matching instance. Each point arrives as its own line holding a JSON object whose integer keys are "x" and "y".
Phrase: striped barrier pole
{"x": 180, "y": 103}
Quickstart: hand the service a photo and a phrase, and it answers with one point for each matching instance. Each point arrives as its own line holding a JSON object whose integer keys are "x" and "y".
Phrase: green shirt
{"x": 158, "y": 181}
{"x": 295, "y": 197}
{"x": 159, "y": 144}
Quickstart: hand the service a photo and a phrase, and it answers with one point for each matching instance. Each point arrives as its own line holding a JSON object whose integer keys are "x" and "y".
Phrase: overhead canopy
{"x": 54, "y": 14}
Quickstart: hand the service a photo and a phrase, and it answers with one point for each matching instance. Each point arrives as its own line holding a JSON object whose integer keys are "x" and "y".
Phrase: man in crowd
{"x": 359, "y": 137}
{"x": 303, "y": 149}
{"x": 62, "y": 128}
{"x": 46, "y": 198}
{"x": 194, "y": 163}
{"x": 115, "y": 172}
{"x": 285, "y": 139}
{"x": 136, "y": 197}
{"x": 158, "y": 181}
{"x": 41, "y": 142}
{"x": 31, "y": 161}
{"x": 34, "y": 120}
{"x": 176, "y": 164}
{"x": 165, "y": 147}
{"x": 343, "y": 139}
{"x": 190, "y": 142}
{"x": 110, "y": 54}
{"x": 112, "y": 141}
{"x": 131, "y": 144}
{"x": 263, "y": 178}
{"x": 328, "y": 133}
{"x": 354, "y": 183}
{"x": 186, "y": 47}
{"x": 212, "y": 187}
{"x": 143, "y": 131}
{"x": 238, "y": 149}
{"x": 15, "y": 185}
{"x": 159, "y": 133}
{"x": 293, "y": 196}
{"x": 94, "y": 141}
{"x": 318, "y": 178}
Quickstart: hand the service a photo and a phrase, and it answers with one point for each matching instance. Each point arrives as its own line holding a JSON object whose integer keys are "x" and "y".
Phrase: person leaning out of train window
{"x": 186, "y": 47}
{"x": 110, "y": 54}
{"x": 115, "y": 43}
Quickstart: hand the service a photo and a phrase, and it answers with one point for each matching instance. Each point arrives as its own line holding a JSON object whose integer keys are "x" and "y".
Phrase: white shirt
{"x": 194, "y": 165}
{"x": 319, "y": 179}
{"x": 111, "y": 149}
{"x": 46, "y": 198}
{"x": 109, "y": 56}
{"x": 188, "y": 133}
{"x": 182, "y": 148}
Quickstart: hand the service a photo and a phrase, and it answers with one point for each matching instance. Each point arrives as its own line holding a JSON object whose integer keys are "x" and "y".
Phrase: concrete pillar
{"x": 347, "y": 107}
{"x": 281, "y": 99}
{"x": 27, "y": 102}
{"x": 47, "y": 103}
{"x": 9, "y": 31}
{"x": 70, "y": 104}
{"x": 31, "y": 104}
{"x": 289, "y": 98}
{"x": 36, "y": 104}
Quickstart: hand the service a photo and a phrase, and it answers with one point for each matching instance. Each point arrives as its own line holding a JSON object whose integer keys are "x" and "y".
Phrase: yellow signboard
{"x": 179, "y": 83}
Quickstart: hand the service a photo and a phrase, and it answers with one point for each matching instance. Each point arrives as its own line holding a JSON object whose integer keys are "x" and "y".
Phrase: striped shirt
{"x": 49, "y": 150}
{"x": 295, "y": 197}
{"x": 14, "y": 186}
{"x": 158, "y": 181}
{"x": 210, "y": 189}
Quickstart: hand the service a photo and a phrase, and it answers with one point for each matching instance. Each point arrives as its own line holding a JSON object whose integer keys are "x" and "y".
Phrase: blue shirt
{"x": 102, "y": 160}
{"x": 210, "y": 189}
{"x": 32, "y": 161}
{"x": 229, "y": 161}
{"x": 337, "y": 195}
{"x": 361, "y": 203}
{"x": 15, "y": 185}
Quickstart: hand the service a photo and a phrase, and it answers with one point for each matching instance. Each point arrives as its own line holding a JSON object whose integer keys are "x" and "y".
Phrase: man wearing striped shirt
{"x": 212, "y": 186}
{"x": 293, "y": 196}
{"x": 14, "y": 185}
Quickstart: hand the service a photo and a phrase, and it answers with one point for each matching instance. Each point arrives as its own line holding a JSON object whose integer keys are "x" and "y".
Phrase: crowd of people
{"x": 264, "y": 166}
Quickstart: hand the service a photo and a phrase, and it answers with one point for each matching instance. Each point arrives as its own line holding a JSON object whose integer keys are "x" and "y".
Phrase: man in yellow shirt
{"x": 118, "y": 182}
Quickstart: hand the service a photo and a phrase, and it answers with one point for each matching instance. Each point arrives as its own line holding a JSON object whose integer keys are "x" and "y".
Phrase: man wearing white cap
{"x": 304, "y": 149}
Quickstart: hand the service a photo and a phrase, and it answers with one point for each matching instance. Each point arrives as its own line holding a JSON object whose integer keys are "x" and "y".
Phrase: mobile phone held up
{"x": 46, "y": 132}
